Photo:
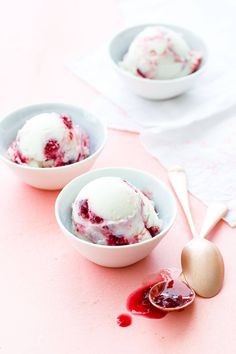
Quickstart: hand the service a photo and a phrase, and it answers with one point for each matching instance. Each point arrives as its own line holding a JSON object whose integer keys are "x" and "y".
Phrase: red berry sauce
{"x": 140, "y": 73}
{"x": 83, "y": 209}
{"x": 71, "y": 135}
{"x": 86, "y": 213}
{"x": 138, "y": 301}
{"x": 51, "y": 149}
{"x": 67, "y": 121}
{"x": 95, "y": 219}
{"x": 117, "y": 241}
{"x": 173, "y": 293}
{"x": 113, "y": 240}
{"x": 19, "y": 158}
{"x": 153, "y": 230}
{"x": 196, "y": 65}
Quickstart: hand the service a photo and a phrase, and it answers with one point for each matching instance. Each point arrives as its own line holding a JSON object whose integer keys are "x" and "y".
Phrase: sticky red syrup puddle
{"x": 138, "y": 301}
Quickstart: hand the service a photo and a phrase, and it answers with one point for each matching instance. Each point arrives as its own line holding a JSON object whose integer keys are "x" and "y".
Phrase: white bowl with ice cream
{"x": 47, "y": 145}
{"x": 119, "y": 227}
{"x": 158, "y": 61}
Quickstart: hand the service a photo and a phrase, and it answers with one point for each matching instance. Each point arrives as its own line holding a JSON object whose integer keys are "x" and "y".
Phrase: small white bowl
{"x": 55, "y": 177}
{"x": 116, "y": 256}
{"x": 154, "y": 89}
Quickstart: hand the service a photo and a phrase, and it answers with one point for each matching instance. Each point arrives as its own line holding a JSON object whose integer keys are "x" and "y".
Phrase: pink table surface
{"x": 52, "y": 300}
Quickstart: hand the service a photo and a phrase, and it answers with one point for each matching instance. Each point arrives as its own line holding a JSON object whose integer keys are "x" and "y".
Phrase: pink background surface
{"x": 51, "y": 299}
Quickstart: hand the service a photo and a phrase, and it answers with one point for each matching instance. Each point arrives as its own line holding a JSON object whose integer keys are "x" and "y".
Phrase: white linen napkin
{"x": 195, "y": 129}
{"x": 207, "y": 151}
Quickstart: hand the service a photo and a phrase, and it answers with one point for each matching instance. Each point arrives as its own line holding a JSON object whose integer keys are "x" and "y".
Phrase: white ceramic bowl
{"x": 116, "y": 256}
{"x": 55, "y": 177}
{"x": 154, "y": 89}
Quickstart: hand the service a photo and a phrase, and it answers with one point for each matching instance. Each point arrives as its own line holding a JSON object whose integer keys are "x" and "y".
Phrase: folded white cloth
{"x": 195, "y": 129}
{"x": 207, "y": 151}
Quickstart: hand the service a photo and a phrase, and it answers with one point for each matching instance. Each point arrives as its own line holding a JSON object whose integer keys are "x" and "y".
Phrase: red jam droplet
{"x": 124, "y": 320}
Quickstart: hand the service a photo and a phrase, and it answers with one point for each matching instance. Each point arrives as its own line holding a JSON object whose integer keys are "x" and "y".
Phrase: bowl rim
{"x": 90, "y": 157}
{"x": 159, "y": 81}
{"x": 62, "y": 194}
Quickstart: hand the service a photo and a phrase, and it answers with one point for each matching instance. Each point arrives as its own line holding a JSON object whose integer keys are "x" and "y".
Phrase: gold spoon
{"x": 202, "y": 262}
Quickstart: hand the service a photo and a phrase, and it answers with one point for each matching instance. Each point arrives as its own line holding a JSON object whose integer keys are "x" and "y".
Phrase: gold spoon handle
{"x": 178, "y": 180}
{"x": 215, "y": 212}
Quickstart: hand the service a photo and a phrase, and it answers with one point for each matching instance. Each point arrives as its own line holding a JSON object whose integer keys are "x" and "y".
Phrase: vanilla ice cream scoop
{"x": 49, "y": 140}
{"x": 111, "y": 211}
{"x": 160, "y": 53}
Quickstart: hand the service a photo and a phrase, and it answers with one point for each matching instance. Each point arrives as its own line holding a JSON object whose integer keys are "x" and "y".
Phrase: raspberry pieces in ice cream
{"x": 49, "y": 140}
{"x": 111, "y": 211}
{"x": 160, "y": 53}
